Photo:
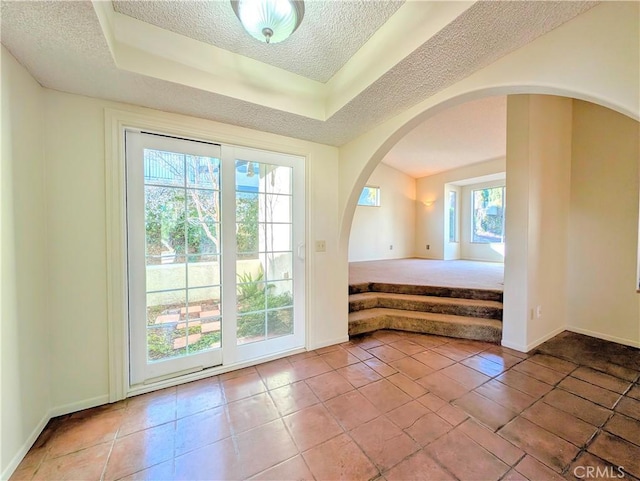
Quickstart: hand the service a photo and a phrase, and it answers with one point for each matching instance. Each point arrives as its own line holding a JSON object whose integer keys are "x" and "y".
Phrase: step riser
{"x": 426, "y": 309}
{"x": 426, "y": 306}
{"x": 455, "y": 292}
{"x": 361, "y": 305}
{"x": 478, "y": 333}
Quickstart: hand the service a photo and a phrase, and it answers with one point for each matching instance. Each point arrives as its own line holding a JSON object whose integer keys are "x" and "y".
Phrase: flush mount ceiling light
{"x": 269, "y": 21}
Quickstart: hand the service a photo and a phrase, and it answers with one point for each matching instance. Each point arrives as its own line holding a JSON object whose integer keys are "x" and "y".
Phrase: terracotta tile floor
{"x": 386, "y": 406}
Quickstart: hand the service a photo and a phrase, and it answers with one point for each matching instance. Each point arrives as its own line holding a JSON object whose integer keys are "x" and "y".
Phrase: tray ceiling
{"x": 90, "y": 49}
{"x": 329, "y": 35}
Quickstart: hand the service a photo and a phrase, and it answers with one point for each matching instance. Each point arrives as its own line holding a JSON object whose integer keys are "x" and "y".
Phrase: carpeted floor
{"x": 460, "y": 273}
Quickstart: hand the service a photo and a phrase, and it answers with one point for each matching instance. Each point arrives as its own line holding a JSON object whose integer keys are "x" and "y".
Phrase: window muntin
{"x": 182, "y": 253}
{"x": 265, "y": 302}
{"x": 183, "y": 242}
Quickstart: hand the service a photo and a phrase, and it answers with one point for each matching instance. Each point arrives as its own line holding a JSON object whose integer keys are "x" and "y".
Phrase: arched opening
{"x": 396, "y": 133}
{"x": 428, "y": 255}
{"x": 551, "y": 205}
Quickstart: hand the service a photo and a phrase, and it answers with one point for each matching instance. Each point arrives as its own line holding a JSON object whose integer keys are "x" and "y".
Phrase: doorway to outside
{"x": 215, "y": 237}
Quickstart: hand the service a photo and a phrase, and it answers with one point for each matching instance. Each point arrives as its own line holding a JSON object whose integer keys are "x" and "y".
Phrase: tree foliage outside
{"x": 261, "y": 311}
{"x": 247, "y": 212}
{"x": 488, "y": 215}
{"x": 262, "y": 314}
{"x": 182, "y": 224}
{"x": 184, "y": 219}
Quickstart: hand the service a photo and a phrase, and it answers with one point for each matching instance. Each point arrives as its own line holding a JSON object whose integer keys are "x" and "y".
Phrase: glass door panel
{"x": 265, "y": 309}
{"x": 269, "y": 276}
{"x": 215, "y": 255}
{"x": 174, "y": 263}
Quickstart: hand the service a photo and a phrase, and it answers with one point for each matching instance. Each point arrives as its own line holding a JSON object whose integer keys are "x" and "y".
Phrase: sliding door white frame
{"x": 116, "y": 122}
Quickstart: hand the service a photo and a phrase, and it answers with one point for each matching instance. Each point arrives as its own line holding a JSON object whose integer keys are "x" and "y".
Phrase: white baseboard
{"x": 79, "y": 406}
{"x": 514, "y": 346}
{"x": 544, "y": 338}
{"x": 52, "y": 413}
{"x": 331, "y": 342}
{"x": 606, "y": 337}
{"x": 534, "y": 344}
{"x": 104, "y": 399}
{"x": 24, "y": 449}
{"x": 578, "y": 330}
{"x": 481, "y": 259}
{"x": 396, "y": 258}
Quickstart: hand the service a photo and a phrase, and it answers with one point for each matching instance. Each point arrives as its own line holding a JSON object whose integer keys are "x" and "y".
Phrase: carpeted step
{"x": 359, "y": 288}
{"x": 436, "y": 291}
{"x": 439, "y": 305}
{"x": 464, "y": 327}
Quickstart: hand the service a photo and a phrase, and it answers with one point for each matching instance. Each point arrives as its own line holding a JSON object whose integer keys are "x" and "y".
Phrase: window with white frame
{"x": 453, "y": 216}
{"x": 488, "y": 207}
{"x": 370, "y": 196}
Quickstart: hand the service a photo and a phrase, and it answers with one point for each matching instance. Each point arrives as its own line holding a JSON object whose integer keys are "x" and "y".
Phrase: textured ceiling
{"x": 459, "y": 136}
{"x": 62, "y": 45}
{"x": 329, "y": 35}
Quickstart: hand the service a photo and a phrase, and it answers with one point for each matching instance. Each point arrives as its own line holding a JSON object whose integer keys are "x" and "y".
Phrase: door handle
{"x": 301, "y": 251}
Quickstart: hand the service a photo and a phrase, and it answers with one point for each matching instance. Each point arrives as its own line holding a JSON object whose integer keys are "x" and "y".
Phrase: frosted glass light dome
{"x": 269, "y": 21}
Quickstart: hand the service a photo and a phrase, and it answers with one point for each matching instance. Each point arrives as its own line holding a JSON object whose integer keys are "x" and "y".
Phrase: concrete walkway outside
{"x": 427, "y": 272}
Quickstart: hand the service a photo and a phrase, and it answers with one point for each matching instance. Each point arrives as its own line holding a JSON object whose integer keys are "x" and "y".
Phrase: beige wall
{"x": 603, "y": 228}
{"x": 25, "y": 329}
{"x": 77, "y": 239}
{"x": 55, "y": 350}
{"x": 572, "y": 221}
{"x": 375, "y": 229}
{"x": 74, "y": 133}
{"x": 431, "y": 221}
{"x": 537, "y": 218}
{"x": 549, "y": 181}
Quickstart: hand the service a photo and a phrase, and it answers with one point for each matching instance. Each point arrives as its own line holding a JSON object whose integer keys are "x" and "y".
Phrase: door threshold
{"x": 205, "y": 373}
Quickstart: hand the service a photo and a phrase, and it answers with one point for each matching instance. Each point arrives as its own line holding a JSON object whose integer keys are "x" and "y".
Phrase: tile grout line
{"x": 403, "y": 430}
{"x": 380, "y": 472}
{"x": 584, "y": 449}
{"x": 389, "y": 343}
{"x": 580, "y": 448}
{"x": 554, "y": 386}
{"x": 599, "y": 428}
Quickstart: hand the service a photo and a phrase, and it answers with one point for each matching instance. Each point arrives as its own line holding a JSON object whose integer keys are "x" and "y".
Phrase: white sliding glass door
{"x": 269, "y": 252}
{"x": 215, "y": 255}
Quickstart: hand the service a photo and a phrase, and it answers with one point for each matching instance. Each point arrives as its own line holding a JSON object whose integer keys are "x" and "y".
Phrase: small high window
{"x": 370, "y": 196}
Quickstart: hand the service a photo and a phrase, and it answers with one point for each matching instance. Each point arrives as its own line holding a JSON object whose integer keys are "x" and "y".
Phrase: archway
{"x": 595, "y": 58}
{"x": 394, "y": 134}
{"x": 517, "y": 306}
